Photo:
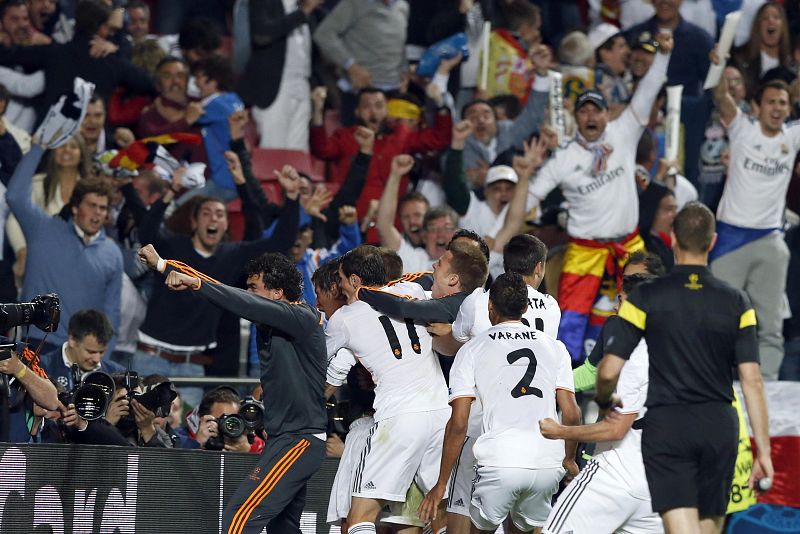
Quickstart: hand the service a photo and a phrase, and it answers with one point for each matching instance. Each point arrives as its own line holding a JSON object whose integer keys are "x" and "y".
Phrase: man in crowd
{"x": 438, "y": 224}
{"x": 280, "y": 40}
{"x": 138, "y": 21}
{"x": 16, "y": 30}
{"x": 171, "y": 111}
{"x": 688, "y": 68}
{"x": 751, "y": 253}
{"x": 367, "y": 40}
{"x": 89, "y": 333}
{"x": 71, "y": 257}
{"x": 341, "y": 147}
{"x": 594, "y": 171}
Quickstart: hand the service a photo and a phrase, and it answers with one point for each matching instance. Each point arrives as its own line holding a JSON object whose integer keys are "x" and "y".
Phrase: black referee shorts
{"x": 689, "y": 456}
{"x": 274, "y": 493}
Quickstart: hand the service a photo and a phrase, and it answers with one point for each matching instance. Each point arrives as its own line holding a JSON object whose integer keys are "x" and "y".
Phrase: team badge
{"x": 784, "y": 149}
{"x": 693, "y": 285}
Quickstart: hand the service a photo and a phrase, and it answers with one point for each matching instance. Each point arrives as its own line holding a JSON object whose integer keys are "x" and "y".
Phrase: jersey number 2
{"x": 394, "y": 341}
{"x": 524, "y": 386}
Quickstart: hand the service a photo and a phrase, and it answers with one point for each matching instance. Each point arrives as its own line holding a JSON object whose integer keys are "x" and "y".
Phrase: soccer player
{"x": 751, "y": 253}
{"x": 520, "y": 374}
{"x": 405, "y": 443}
{"x": 594, "y": 171}
{"x": 697, "y": 328}
{"x": 610, "y": 494}
{"x": 525, "y": 255}
{"x": 292, "y": 356}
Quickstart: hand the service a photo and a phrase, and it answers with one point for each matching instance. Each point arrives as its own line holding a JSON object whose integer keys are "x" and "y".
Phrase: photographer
{"x": 23, "y": 388}
{"x": 89, "y": 333}
{"x": 202, "y": 428}
{"x": 127, "y": 421}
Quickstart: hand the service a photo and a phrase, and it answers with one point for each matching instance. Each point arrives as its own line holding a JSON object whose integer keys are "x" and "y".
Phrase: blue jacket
{"x": 217, "y": 135}
{"x": 84, "y": 276}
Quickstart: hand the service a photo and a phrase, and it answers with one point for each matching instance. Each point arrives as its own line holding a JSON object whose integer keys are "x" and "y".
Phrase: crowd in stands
{"x": 221, "y": 131}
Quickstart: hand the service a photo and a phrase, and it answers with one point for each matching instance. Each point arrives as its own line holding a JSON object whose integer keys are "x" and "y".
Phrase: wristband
{"x": 22, "y": 372}
{"x": 161, "y": 266}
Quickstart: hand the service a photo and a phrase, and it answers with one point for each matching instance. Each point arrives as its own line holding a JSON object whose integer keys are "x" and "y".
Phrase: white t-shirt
{"x": 542, "y": 314}
{"x": 415, "y": 259}
{"x": 481, "y": 219}
{"x": 758, "y": 173}
{"x": 516, "y": 371}
{"x": 605, "y": 205}
{"x": 624, "y": 457}
{"x": 398, "y": 355}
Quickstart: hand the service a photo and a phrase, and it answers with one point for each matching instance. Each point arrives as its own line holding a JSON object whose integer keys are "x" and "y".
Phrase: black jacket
{"x": 269, "y": 28}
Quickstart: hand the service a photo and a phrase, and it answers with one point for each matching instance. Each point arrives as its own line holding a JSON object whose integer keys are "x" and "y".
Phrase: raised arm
{"x": 525, "y": 166}
{"x": 387, "y": 209}
{"x": 41, "y": 390}
{"x": 455, "y": 186}
{"x": 18, "y": 196}
{"x": 400, "y": 306}
{"x": 649, "y": 86}
{"x": 725, "y": 103}
{"x": 535, "y": 110}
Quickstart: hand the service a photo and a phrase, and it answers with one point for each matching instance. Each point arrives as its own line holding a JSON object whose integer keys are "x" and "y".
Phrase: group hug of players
{"x": 485, "y": 452}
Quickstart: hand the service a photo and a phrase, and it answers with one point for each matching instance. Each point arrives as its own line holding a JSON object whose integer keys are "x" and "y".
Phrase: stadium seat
{"x": 267, "y": 160}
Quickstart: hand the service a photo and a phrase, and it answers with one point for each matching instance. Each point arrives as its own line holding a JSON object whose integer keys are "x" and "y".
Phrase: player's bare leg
{"x": 458, "y": 524}
{"x": 682, "y": 521}
{"x": 363, "y": 511}
{"x": 711, "y": 524}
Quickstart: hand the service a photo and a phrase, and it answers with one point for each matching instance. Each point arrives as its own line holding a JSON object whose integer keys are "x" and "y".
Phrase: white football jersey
{"x": 398, "y": 354}
{"x": 624, "y": 457}
{"x": 515, "y": 370}
{"x": 758, "y": 173}
{"x": 590, "y": 194}
{"x": 543, "y": 314}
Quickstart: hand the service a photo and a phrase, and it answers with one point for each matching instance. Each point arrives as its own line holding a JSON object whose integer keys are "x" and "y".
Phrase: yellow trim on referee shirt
{"x": 748, "y": 318}
{"x": 633, "y": 315}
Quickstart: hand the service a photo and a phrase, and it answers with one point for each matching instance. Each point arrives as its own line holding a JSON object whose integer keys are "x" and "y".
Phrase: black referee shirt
{"x": 696, "y": 327}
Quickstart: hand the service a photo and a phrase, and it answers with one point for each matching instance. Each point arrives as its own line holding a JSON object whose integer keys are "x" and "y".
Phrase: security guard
{"x": 697, "y": 328}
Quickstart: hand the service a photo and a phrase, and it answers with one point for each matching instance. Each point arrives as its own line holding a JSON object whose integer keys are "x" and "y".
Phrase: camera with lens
{"x": 90, "y": 395}
{"x": 43, "y": 312}
{"x": 250, "y": 420}
{"x": 156, "y": 397}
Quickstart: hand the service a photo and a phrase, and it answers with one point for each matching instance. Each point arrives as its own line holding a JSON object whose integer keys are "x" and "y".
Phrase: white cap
{"x": 500, "y": 172}
{"x": 602, "y": 33}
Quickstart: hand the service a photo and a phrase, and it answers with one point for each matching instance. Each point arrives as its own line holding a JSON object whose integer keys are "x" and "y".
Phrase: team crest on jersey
{"x": 254, "y": 474}
{"x": 784, "y": 149}
{"x": 693, "y": 285}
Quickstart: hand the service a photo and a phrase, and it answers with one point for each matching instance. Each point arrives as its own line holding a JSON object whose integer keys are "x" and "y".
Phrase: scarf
{"x": 600, "y": 151}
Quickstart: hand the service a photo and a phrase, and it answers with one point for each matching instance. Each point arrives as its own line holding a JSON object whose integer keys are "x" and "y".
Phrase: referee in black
{"x": 293, "y": 359}
{"x": 697, "y": 329}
